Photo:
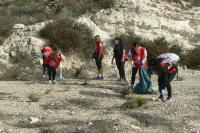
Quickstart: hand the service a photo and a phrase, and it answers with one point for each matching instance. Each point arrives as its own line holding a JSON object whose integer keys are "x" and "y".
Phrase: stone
{"x": 135, "y": 127}
{"x": 33, "y": 120}
{"x": 19, "y": 26}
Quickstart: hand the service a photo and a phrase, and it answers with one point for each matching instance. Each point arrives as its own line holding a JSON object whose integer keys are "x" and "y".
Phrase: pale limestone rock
{"x": 19, "y": 26}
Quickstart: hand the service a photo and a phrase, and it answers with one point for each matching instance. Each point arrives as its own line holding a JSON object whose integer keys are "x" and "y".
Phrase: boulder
{"x": 19, "y": 26}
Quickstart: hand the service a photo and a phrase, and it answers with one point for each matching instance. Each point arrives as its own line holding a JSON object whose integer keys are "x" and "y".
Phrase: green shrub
{"x": 79, "y": 7}
{"x": 135, "y": 102}
{"x": 33, "y": 98}
{"x": 12, "y": 73}
{"x": 192, "y": 58}
{"x": 69, "y": 36}
{"x": 126, "y": 92}
{"x": 195, "y": 2}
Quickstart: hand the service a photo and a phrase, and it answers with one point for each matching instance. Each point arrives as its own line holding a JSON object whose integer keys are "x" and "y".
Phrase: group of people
{"x": 165, "y": 65}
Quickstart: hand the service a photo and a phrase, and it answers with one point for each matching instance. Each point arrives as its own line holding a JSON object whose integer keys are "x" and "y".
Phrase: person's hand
{"x": 99, "y": 57}
{"x": 122, "y": 59}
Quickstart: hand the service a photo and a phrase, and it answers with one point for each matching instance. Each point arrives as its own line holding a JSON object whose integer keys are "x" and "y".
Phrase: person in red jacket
{"x": 138, "y": 56}
{"x": 99, "y": 50}
{"x": 166, "y": 66}
{"x": 46, "y": 51}
{"x": 54, "y": 61}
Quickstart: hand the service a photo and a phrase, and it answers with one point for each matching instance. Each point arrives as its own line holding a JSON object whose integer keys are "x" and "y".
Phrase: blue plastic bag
{"x": 145, "y": 85}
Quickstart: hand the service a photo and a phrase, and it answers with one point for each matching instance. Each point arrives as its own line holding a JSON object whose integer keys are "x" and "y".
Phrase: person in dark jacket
{"x": 119, "y": 54}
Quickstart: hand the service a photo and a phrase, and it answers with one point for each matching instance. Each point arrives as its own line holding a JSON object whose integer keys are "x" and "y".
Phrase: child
{"x": 46, "y": 51}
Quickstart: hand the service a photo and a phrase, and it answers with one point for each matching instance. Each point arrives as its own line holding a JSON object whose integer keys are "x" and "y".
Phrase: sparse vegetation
{"x": 136, "y": 102}
{"x": 180, "y": 78}
{"x": 126, "y": 91}
{"x": 22, "y": 59}
{"x": 33, "y": 98}
{"x": 48, "y": 91}
{"x": 192, "y": 58}
{"x": 12, "y": 73}
{"x": 79, "y": 7}
{"x": 68, "y": 36}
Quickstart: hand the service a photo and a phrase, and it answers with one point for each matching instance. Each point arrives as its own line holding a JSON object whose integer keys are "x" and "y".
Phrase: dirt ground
{"x": 90, "y": 106}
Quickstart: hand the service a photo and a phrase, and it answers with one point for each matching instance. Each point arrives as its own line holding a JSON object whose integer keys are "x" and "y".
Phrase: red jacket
{"x": 170, "y": 70}
{"x": 54, "y": 61}
{"x": 138, "y": 57}
{"x": 100, "y": 49}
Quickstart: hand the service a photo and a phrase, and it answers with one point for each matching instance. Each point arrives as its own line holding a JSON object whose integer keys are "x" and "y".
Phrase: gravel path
{"x": 90, "y": 106}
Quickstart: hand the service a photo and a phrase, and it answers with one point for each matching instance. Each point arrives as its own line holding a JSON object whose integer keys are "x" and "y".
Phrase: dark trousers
{"x": 164, "y": 80}
{"x": 51, "y": 73}
{"x": 45, "y": 67}
{"x": 134, "y": 72}
{"x": 120, "y": 67}
{"x": 99, "y": 64}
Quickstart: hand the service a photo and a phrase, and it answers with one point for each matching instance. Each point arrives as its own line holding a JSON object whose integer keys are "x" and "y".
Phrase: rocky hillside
{"x": 177, "y": 22}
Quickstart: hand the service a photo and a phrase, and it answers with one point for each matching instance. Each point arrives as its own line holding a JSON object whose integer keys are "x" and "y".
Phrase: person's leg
{"x": 49, "y": 73}
{"x": 161, "y": 87}
{"x": 98, "y": 69}
{"x": 53, "y": 74}
{"x": 123, "y": 71}
{"x": 44, "y": 70}
{"x": 118, "y": 63}
{"x": 170, "y": 77}
{"x": 134, "y": 71}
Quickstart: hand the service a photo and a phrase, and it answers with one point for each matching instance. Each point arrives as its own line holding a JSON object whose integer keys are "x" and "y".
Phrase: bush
{"x": 126, "y": 92}
{"x": 192, "y": 58}
{"x": 33, "y": 98}
{"x": 12, "y": 73}
{"x": 22, "y": 59}
{"x": 135, "y": 102}
{"x": 68, "y": 36}
{"x": 79, "y": 7}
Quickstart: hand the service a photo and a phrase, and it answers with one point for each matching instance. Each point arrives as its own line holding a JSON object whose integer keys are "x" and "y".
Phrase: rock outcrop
{"x": 151, "y": 19}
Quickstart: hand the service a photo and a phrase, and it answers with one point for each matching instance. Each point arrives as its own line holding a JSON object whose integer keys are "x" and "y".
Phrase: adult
{"x": 99, "y": 55}
{"x": 166, "y": 67}
{"x": 138, "y": 56}
{"x": 119, "y": 56}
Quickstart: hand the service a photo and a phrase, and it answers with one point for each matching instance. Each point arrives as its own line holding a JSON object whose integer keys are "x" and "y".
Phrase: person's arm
{"x": 123, "y": 54}
{"x": 123, "y": 51}
{"x": 112, "y": 59}
{"x": 145, "y": 59}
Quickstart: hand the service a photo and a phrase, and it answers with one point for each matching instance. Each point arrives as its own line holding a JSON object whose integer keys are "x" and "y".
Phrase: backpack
{"x": 145, "y": 85}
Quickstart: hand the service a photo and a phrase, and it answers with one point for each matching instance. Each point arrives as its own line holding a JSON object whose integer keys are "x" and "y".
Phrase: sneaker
{"x": 50, "y": 82}
{"x": 62, "y": 78}
{"x": 161, "y": 98}
{"x": 101, "y": 78}
{"x": 44, "y": 76}
{"x": 169, "y": 99}
{"x": 54, "y": 81}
